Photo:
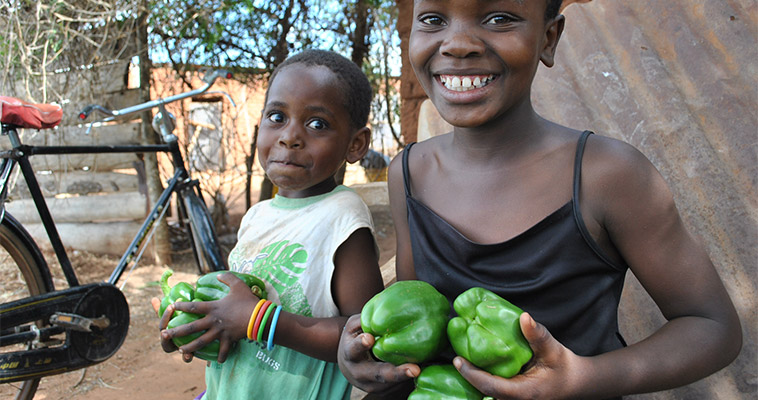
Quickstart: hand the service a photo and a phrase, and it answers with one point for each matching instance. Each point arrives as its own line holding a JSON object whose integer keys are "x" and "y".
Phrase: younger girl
{"x": 312, "y": 244}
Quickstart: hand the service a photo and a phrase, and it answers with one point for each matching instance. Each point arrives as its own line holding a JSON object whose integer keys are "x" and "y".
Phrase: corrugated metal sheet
{"x": 678, "y": 79}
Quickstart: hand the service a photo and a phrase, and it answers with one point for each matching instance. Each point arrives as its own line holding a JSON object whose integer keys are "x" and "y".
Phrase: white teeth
{"x": 464, "y": 83}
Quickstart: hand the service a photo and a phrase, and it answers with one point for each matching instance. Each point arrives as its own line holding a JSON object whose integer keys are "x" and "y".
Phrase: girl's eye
{"x": 433, "y": 20}
{"x": 500, "y": 19}
{"x": 317, "y": 124}
{"x": 276, "y": 117}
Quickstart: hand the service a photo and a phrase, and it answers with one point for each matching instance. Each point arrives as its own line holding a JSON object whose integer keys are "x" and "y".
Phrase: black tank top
{"x": 554, "y": 270}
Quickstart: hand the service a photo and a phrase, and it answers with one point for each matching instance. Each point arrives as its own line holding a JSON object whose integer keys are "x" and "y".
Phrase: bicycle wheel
{"x": 205, "y": 245}
{"x": 25, "y": 273}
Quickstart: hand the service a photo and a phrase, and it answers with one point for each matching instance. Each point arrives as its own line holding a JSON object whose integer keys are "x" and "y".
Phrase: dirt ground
{"x": 140, "y": 369}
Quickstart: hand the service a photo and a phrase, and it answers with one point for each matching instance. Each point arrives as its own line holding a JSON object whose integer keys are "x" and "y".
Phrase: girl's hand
{"x": 361, "y": 368}
{"x": 553, "y": 372}
{"x": 225, "y": 319}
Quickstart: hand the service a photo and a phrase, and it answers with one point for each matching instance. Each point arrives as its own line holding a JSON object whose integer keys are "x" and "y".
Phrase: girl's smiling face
{"x": 476, "y": 59}
{"x": 305, "y": 133}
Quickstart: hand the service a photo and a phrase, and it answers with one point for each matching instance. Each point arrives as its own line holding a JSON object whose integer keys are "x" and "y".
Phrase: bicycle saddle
{"x": 28, "y": 115}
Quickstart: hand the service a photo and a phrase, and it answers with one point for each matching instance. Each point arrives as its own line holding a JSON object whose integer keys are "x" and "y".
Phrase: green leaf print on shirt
{"x": 281, "y": 263}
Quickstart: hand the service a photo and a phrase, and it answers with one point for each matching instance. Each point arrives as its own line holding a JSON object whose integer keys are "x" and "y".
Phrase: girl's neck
{"x": 320, "y": 188}
{"x": 510, "y": 135}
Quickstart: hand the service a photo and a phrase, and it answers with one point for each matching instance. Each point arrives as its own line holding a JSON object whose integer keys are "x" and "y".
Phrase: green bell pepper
{"x": 209, "y": 288}
{"x": 184, "y": 292}
{"x": 487, "y": 332}
{"x": 443, "y": 382}
{"x": 208, "y": 352}
{"x": 408, "y": 320}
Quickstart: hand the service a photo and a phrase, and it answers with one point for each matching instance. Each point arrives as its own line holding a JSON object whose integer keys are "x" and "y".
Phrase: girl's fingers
{"x": 194, "y": 307}
{"x": 223, "y": 350}
{"x": 229, "y": 280}
{"x": 354, "y": 344}
{"x": 167, "y": 345}
{"x": 540, "y": 340}
{"x": 156, "y": 303}
{"x": 405, "y": 371}
{"x": 167, "y": 315}
{"x": 356, "y": 363}
{"x": 197, "y": 344}
{"x": 482, "y": 380}
{"x": 198, "y": 325}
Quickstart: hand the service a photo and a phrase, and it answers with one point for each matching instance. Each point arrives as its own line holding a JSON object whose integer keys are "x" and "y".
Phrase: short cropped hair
{"x": 553, "y": 7}
{"x": 355, "y": 87}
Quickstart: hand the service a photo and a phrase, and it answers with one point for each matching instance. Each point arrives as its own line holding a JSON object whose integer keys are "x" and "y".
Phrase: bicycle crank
{"x": 94, "y": 319}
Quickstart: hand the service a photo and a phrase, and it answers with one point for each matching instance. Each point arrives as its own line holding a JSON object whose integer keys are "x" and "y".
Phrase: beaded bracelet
{"x": 252, "y": 319}
{"x": 274, "y": 320}
{"x": 262, "y": 327}
{"x": 258, "y": 319}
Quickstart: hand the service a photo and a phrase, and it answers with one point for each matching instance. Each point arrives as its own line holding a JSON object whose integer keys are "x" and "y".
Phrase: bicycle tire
{"x": 202, "y": 232}
{"x": 19, "y": 251}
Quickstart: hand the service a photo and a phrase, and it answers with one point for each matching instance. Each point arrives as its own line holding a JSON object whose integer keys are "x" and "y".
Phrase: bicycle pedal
{"x": 79, "y": 323}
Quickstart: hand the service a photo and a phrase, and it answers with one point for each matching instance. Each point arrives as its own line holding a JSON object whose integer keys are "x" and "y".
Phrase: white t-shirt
{"x": 290, "y": 245}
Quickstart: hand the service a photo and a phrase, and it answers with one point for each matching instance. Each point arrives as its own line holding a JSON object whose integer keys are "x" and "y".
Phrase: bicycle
{"x": 51, "y": 331}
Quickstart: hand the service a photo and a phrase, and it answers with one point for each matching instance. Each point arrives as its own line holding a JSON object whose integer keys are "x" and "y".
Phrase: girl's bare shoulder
{"x": 614, "y": 159}
{"x": 620, "y": 176}
{"x": 424, "y": 154}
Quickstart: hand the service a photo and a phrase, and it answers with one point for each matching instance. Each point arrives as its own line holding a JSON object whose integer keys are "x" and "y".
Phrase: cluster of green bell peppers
{"x": 207, "y": 288}
{"x": 410, "y": 321}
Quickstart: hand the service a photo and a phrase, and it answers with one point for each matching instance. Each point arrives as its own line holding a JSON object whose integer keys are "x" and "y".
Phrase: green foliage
{"x": 256, "y": 35}
{"x": 244, "y": 34}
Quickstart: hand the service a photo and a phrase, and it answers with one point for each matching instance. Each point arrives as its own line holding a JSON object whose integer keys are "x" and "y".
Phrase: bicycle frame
{"x": 20, "y": 153}
{"x": 162, "y": 122}
{"x": 94, "y": 317}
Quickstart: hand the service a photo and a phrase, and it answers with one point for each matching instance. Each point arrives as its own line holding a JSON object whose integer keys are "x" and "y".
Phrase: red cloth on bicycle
{"x": 27, "y": 115}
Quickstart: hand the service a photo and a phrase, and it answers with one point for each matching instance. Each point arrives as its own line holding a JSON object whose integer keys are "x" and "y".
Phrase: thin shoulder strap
{"x": 406, "y": 174}
{"x": 578, "y": 165}
{"x": 577, "y": 210}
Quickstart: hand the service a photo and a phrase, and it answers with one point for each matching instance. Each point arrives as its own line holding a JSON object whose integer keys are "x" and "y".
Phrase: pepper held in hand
{"x": 443, "y": 382}
{"x": 183, "y": 291}
{"x": 408, "y": 320}
{"x": 209, "y": 288}
{"x": 208, "y": 352}
{"x": 487, "y": 332}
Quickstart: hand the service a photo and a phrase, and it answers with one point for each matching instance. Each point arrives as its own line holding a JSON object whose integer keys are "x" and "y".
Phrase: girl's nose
{"x": 290, "y": 138}
{"x": 461, "y": 42}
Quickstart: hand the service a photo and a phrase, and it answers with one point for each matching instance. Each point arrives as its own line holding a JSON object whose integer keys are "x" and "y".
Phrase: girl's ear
{"x": 358, "y": 145}
{"x": 552, "y": 36}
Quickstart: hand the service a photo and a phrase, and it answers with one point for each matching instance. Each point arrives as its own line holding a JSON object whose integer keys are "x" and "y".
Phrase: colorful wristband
{"x": 252, "y": 319}
{"x": 274, "y": 320}
{"x": 263, "y": 322}
{"x": 258, "y": 319}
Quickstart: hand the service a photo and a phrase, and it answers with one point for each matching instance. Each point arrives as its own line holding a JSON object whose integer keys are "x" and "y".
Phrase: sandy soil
{"x": 140, "y": 369}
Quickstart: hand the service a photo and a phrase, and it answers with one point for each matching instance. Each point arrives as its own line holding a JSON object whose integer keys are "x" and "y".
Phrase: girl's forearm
{"x": 315, "y": 337}
{"x": 683, "y": 351}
